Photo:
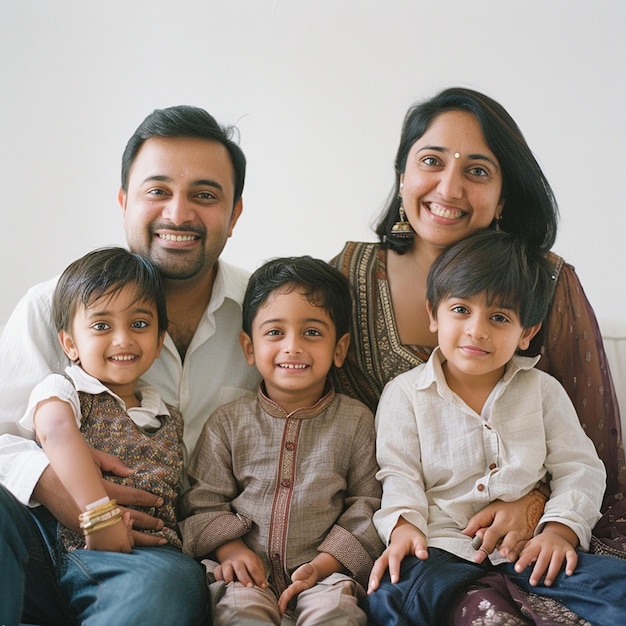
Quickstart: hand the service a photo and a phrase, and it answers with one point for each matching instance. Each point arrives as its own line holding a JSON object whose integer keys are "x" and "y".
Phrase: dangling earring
{"x": 497, "y": 221}
{"x": 402, "y": 229}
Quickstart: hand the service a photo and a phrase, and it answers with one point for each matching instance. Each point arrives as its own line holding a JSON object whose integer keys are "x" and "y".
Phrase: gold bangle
{"x": 102, "y": 525}
{"x": 90, "y": 523}
{"x": 97, "y": 511}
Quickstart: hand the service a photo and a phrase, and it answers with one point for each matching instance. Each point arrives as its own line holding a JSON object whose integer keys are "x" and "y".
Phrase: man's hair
{"x": 186, "y": 121}
{"x": 498, "y": 264}
{"x": 322, "y": 285}
{"x": 105, "y": 272}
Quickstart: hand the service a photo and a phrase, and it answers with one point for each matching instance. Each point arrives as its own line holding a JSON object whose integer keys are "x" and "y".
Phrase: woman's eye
{"x": 430, "y": 161}
{"x": 478, "y": 171}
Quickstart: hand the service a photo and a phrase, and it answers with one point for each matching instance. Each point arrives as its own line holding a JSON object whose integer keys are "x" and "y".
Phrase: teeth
{"x": 123, "y": 357}
{"x": 289, "y": 366}
{"x": 441, "y": 211}
{"x": 178, "y": 237}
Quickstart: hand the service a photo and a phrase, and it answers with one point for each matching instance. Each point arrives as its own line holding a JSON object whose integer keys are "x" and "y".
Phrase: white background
{"x": 318, "y": 90}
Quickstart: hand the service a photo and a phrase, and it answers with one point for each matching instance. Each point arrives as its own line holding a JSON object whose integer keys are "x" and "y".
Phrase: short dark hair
{"x": 530, "y": 209}
{"x": 323, "y": 285}
{"x": 185, "y": 121}
{"x": 498, "y": 264}
{"x": 106, "y": 271}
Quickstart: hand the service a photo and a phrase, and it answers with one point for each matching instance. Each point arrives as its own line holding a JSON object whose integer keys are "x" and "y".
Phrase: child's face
{"x": 293, "y": 345}
{"x": 114, "y": 339}
{"x": 478, "y": 338}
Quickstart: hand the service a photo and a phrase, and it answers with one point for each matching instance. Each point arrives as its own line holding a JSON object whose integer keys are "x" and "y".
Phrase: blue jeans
{"x": 596, "y": 591}
{"x": 44, "y": 584}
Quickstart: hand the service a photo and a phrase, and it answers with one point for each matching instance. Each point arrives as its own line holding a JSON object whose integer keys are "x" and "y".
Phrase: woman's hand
{"x": 506, "y": 526}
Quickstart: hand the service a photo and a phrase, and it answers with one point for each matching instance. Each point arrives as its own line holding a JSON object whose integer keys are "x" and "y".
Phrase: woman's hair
{"x": 322, "y": 285}
{"x": 105, "y": 272}
{"x": 499, "y": 265}
{"x": 185, "y": 121}
{"x": 530, "y": 209}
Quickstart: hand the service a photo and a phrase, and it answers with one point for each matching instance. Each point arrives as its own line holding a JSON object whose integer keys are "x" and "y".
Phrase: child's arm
{"x": 307, "y": 575}
{"x": 553, "y": 545}
{"x": 238, "y": 562}
{"x": 71, "y": 459}
{"x": 405, "y": 539}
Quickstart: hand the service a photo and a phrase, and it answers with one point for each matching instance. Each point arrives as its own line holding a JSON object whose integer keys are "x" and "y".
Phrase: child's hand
{"x": 115, "y": 538}
{"x": 405, "y": 539}
{"x": 555, "y": 544}
{"x": 238, "y": 562}
{"x": 302, "y": 579}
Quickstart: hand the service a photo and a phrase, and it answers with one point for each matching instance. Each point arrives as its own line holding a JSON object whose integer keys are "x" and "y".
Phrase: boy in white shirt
{"x": 478, "y": 423}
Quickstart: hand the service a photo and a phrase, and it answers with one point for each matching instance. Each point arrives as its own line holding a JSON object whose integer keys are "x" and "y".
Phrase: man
{"x": 182, "y": 180}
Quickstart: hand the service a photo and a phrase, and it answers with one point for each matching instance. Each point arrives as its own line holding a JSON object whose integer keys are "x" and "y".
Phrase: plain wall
{"x": 318, "y": 90}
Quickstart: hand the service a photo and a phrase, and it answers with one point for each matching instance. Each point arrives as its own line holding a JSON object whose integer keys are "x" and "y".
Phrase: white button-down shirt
{"x": 441, "y": 462}
{"x": 214, "y": 371}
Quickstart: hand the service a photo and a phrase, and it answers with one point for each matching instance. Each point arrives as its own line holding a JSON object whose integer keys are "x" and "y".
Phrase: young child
{"x": 283, "y": 483}
{"x": 109, "y": 309}
{"x": 477, "y": 423}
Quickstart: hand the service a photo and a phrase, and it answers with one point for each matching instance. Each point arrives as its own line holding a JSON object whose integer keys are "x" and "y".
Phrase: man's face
{"x": 178, "y": 209}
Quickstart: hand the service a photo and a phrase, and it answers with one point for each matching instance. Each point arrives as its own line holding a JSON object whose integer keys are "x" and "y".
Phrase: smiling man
{"x": 182, "y": 180}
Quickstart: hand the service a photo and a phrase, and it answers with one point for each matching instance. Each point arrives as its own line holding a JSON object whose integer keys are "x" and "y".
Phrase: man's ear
{"x": 433, "y": 320}
{"x": 527, "y": 335}
{"x": 121, "y": 198}
{"x": 341, "y": 350}
{"x": 246, "y": 345}
{"x": 68, "y": 345}
{"x": 237, "y": 209}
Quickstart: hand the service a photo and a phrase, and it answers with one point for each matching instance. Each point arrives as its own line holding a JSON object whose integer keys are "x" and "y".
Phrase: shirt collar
{"x": 275, "y": 410}
{"x": 145, "y": 416}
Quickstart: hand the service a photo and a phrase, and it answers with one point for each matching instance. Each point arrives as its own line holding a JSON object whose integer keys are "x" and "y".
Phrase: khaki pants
{"x": 331, "y": 601}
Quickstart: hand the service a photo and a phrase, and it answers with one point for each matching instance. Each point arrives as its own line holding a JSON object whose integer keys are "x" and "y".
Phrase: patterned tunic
{"x": 289, "y": 484}
{"x": 156, "y": 457}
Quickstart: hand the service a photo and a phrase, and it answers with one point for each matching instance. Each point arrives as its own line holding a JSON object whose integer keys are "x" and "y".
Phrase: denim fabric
{"x": 42, "y": 584}
{"x": 595, "y": 591}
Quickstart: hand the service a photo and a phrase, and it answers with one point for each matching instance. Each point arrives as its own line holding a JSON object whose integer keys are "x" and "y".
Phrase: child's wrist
{"x": 99, "y": 515}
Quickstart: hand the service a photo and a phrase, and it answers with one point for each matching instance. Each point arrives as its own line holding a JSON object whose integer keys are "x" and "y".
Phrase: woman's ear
{"x": 341, "y": 350}
{"x": 68, "y": 345}
{"x": 246, "y": 345}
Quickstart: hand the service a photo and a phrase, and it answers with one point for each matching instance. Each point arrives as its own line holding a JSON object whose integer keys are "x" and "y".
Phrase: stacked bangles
{"x": 99, "y": 515}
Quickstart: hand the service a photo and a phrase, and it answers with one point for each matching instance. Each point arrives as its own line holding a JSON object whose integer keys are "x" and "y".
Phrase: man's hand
{"x": 238, "y": 562}
{"x": 405, "y": 539}
{"x": 50, "y": 492}
{"x": 506, "y": 526}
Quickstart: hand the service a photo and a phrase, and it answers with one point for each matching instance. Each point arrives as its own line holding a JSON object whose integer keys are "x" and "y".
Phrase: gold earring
{"x": 402, "y": 229}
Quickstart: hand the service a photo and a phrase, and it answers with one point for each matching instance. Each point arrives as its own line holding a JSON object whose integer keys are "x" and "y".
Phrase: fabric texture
{"x": 289, "y": 484}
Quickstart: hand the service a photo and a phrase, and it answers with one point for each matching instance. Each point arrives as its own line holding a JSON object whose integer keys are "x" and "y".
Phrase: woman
{"x": 462, "y": 165}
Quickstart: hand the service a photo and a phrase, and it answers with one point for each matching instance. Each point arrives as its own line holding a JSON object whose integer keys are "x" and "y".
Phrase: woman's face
{"x": 452, "y": 183}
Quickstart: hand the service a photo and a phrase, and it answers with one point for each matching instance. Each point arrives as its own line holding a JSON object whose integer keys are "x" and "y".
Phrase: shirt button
{"x": 289, "y": 446}
{"x": 481, "y": 487}
{"x": 493, "y": 466}
{"x": 285, "y": 483}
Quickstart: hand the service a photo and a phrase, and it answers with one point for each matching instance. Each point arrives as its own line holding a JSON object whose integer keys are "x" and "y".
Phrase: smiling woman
{"x": 495, "y": 182}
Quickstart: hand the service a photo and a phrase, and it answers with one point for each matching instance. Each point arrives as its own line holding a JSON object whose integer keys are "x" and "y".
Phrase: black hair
{"x": 498, "y": 264}
{"x": 530, "y": 209}
{"x": 185, "y": 121}
{"x": 323, "y": 285}
{"x": 105, "y": 272}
